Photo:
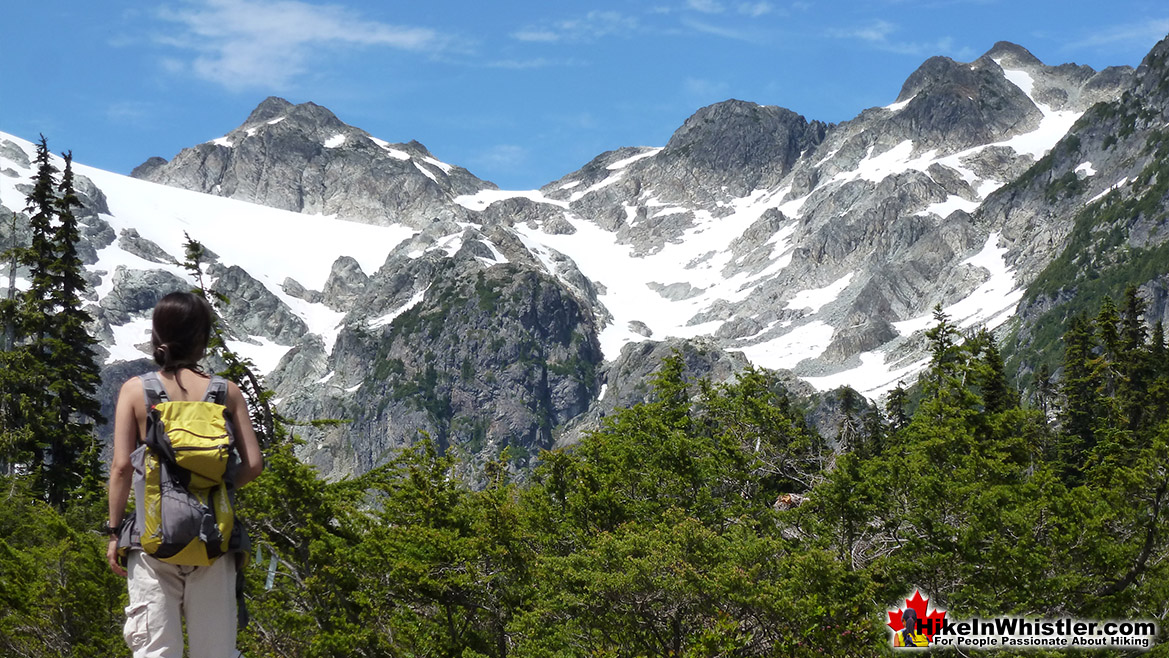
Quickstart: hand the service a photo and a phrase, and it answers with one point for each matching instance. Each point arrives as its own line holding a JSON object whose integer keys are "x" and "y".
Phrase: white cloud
{"x": 705, "y": 6}
{"x": 876, "y": 32}
{"x": 737, "y": 34}
{"x": 877, "y": 35}
{"x": 269, "y": 43}
{"x": 756, "y": 9}
{"x": 536, "y": 34}
{"x": 1142, "y": 35}
{"x": 522, "y": 64}
{"x": 593, "y": 25}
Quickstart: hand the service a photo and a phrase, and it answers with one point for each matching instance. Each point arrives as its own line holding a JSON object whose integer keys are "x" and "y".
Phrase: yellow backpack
{"x": 184, "y": 474}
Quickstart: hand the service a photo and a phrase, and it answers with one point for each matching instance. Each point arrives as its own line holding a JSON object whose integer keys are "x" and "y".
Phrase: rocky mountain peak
{"x": 1013, "y": 55}
{"x": 1153, "y": 73}
{"x": 759, "y": 132}
{"x": 761, "y": 141}
{"x": 933, "y": 69}
{"x": 270, "y": 108}
{"x": 963, "y": 105}
{"x": 769, "y": 238}
{"x": 309, "y": 119}
{"x": 305, "y": 159}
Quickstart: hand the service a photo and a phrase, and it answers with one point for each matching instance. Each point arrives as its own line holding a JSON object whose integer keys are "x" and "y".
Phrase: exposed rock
{"x": 345, "y": 284}
{"x": 736, "y": 146}
{"x": 292, "y": 287}
{"x": 675, "y": 291}
{"x": 477, "y": 334}
{"x": 303, "y": 158}
{"x": 640, "y": 328}
{"x": 253, "y": 311}
{"x": 627, "y": 378}
{"x": 11, "y": 151}
{"x": 135, "y": 292}
{"x": 147, "y": 169}
{"x": 488, "y": 359}
{"x": 130, "y": 241}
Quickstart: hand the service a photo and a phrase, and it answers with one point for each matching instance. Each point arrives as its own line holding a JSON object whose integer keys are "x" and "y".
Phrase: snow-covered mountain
{"x": 372, "y": 282}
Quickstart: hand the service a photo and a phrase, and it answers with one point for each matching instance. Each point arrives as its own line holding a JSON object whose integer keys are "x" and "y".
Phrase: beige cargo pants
{"x": 162, "y": 594}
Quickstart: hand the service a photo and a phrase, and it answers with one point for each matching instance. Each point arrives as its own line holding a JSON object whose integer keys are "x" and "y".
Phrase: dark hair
{"x": 182, "y": 327}
{"x": 909, "y": 618}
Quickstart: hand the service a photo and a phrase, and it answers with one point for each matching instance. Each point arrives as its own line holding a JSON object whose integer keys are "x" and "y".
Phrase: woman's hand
{"x": 112, "y": 557}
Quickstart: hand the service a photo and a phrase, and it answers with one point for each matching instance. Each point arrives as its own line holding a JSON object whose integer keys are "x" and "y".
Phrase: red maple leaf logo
{"x": 929, "y": 623}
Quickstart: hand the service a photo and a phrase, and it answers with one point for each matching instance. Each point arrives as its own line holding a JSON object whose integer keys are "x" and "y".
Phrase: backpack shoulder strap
{"x": 216, "y": 390}
{"x": 155, "y": 392}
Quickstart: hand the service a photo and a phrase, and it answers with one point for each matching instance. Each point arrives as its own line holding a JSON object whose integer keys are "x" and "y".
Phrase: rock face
{"x": 862, "y": 227}
{"x": 303, "y": 158}
{"x": 733, "y": 147}
{"x": 490, "y": 358}
{"x": 517, "y": 322}
{"x": 1107, "y": 179}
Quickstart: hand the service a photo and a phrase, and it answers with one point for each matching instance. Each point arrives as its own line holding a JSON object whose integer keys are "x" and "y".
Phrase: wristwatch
{"x": 112, "y": 531}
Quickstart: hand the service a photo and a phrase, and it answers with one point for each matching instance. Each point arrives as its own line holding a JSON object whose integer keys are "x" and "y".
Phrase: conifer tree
{"x": 8, "y": 305}
{"x": 1133, "y": 361}
{"x": 1081, "y": 396}
{"x": 1044, "y": 392}
{"x": 1108, "y": 332}
{"x": 10, "y": 370}
{"x": 50, "y": 369}
{"x": 33, "y": 406}
{"x": 874, "y": 429}
{"x": 990, "y": 375}
{"x": 1158, "y": 363}
{"x": 239, "y": 369}
{"x": 897, "y": 408}
{"x": 73, "y": 362}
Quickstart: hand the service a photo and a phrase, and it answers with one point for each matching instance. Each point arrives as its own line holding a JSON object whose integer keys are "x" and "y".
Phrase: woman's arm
{"x": 251, "y": 461}
{"x": 130, "y": 400}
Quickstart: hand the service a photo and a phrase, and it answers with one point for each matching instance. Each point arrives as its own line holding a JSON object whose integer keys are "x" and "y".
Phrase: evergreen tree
{"x": 897, "y": 408}
{"x": 1134, "y": 365}
{"x": 989, "y": 375}
{"x": 945, "y": 354}
{"x": 1044, "y": 391}
{"x": 73, "y": 362}
{"x": 38, "y": 301}
{"x": 33, "y": 408}
{"x": 8, "y": 305}
{"x": 850, "y": 432}
{"x": 50, "y": 368}
{"x": 1109, "y": 354}
{"x": 238, "y": 369}
{"x": 1157, "y": 352}
{"x": 874, "y": 429}
{"x": 1081, "y": 396}
{"x": 11, "y": 441}
{"x": 948, "y": 380}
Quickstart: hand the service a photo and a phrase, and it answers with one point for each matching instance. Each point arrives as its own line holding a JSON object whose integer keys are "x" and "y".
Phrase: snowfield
{"x": 272, "y": 245}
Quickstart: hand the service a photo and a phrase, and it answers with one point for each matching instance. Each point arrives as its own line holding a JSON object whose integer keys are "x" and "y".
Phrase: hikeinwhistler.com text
{"x": 1019, "y": 632}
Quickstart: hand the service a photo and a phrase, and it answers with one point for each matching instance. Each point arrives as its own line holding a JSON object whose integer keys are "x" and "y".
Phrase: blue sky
{"x": 519, "y": 92}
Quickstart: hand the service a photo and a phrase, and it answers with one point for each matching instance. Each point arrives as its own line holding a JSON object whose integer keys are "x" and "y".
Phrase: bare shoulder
{"x": 233, "y": 390}
{"x": 131, "y": 388}
{"x": 234, "y": 395}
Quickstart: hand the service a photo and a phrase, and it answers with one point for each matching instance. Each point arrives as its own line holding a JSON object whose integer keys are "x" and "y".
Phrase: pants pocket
{"x": 136, "y": 631}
